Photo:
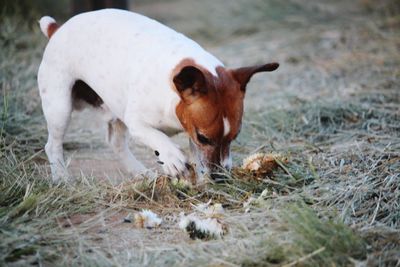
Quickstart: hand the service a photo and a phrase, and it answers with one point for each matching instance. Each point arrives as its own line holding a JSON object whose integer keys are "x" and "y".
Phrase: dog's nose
{"x": 226, "y": 163}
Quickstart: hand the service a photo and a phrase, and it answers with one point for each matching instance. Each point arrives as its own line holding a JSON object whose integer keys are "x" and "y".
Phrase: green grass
{"x": 314, "y": 241}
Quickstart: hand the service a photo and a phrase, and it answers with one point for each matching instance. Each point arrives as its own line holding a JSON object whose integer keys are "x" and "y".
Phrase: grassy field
{"x": 333, "y": 109}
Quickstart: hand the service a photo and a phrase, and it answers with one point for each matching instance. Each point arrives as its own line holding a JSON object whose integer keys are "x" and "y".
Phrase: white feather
{"x": 149, "y": 219}
{"x": 209, "y": 226}
{"x": 183, "y": 221}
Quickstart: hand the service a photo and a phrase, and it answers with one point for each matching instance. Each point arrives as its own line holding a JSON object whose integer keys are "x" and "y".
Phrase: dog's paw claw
{"x": 172, "y": 161}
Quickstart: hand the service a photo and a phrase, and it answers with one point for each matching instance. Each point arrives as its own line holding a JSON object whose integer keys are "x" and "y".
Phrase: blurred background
{"x": 226, "y": 12}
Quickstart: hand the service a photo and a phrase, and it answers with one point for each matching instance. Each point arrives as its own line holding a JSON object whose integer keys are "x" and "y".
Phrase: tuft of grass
{"x": 315, "y": 241}
{"x": 311, "y": 233}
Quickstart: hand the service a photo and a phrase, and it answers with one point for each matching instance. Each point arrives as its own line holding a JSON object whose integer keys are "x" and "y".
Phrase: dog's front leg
{"x": 170, "y": 156}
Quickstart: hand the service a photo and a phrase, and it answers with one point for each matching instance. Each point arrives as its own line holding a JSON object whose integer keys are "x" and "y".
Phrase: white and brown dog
{"x": 150, "y": 80}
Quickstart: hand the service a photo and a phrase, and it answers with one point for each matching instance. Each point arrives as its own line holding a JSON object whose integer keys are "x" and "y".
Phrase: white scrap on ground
{"x": 205, "y": 223}
{"x": 260, "y": 161}
{"x": 253, "y": 162}
{"x": 147, "y": 219}
{"x": 202, "y": 228}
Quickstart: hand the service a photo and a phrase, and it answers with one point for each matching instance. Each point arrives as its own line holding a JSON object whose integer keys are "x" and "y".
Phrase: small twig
{"x": 236, "y": 188}
{"x": 304, "y": 258}
{"x": 185, "y": 195}
{"x": 376, "y": 209}
{"x": 118, "y": 194}
{"x": 146, "y": 197}
{"x": 280, "y": 163}
{"x": 315, "y": 147}
{"x": 269, "y": 181}
{"x": 227, "y": 196}
{"x": 154, "y": 188}
{"x": 258, "y": 148}
{"x": 313, "y": 169}
{"x": 24, "y": 161}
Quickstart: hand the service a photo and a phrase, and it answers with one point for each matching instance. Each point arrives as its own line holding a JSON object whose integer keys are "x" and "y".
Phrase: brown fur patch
{"x": 207, "y": 99}
{"x": 243, "y": 75}
{"x": 51, "y": 29}
{"x": 203, "y": 113}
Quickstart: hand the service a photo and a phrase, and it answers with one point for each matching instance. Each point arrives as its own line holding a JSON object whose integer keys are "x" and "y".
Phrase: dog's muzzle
{"x": 204, "y": 167}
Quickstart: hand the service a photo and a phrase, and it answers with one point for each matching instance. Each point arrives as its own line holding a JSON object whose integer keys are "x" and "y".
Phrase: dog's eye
{"x": 203, "y": 140}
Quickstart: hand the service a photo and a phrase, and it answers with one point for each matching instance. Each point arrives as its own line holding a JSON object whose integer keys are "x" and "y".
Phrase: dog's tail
{"x": 48, "y": 26}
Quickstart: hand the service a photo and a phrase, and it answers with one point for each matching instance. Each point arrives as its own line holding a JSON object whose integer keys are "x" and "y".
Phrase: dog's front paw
{"x": 60, "y": 175}
{"x": 173, "y": 161}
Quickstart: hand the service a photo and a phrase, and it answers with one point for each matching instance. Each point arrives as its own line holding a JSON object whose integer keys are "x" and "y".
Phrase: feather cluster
{"x": 262, "y": 163}
{"x": 147, "y": 219}
{"x": 202, "y": 228}
{"x": 205, "y": 223}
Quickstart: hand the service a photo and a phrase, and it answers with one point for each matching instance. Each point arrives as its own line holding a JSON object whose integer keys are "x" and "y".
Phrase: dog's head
{"x": 211, "y": 109}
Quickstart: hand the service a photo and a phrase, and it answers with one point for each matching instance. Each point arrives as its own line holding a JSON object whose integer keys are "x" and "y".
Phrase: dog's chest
{"x": 168, "y": 123}
{"x": 169, "y": 131}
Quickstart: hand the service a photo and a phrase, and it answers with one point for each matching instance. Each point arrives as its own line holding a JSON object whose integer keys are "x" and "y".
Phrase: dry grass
{"x": 332, "y": 110}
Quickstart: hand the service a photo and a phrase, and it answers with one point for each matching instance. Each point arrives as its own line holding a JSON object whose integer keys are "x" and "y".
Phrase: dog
{"x": 150, "y": 81}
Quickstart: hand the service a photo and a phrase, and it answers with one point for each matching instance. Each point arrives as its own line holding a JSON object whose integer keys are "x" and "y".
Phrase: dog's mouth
{"x": 197, "y": 157}
{"x": 204, "y": 167}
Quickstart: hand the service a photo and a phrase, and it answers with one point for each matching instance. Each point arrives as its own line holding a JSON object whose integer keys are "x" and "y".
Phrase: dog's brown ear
{"x": 190, "y": 83}
{"x": 243, "y": 75}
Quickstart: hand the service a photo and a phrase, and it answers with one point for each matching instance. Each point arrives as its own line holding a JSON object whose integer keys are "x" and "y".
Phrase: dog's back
{"x": 122, "y": 44}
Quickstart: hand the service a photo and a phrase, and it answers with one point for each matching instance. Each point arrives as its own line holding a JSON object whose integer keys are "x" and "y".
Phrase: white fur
{"x": 44, "y": 23}
{"x": 227, "y": 161}
{"x": 227, "y": 126}
{"x": 128, "y": 60}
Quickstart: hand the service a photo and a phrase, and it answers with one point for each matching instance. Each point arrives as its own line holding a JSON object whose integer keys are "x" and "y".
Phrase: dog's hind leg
{"x": 118, "y": 139}
{"x": 55, "y": 92}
